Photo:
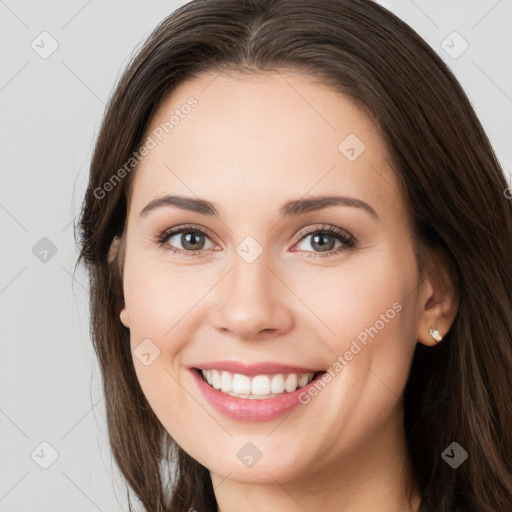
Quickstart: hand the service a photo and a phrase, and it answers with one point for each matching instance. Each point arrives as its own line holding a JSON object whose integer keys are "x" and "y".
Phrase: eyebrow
{"x": 294, "y": 207}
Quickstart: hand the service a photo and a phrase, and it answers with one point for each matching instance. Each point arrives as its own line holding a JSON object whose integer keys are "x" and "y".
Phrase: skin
{"x": 252, "y": 143}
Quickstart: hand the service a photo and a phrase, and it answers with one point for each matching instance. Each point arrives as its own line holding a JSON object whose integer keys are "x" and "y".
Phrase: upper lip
{"x": 262, "y": 368}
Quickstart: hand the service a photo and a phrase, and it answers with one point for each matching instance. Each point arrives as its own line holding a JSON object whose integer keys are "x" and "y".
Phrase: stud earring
{"x": 435, "y": 334}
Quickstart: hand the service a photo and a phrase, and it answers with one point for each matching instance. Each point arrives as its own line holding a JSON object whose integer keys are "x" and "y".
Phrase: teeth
{"x": 302, "y": 381}
{"x": 240, "y": 383}
{"x": 259, "y": 386}
{"x": 291, "y": 383}
{"x": 226, "y": 382}
{"x": 277, "y": 384}
{"x": 216, "y": 380}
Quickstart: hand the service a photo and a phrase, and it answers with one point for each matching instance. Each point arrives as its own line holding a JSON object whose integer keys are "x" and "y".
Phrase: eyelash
{"x": 344, "y": 237}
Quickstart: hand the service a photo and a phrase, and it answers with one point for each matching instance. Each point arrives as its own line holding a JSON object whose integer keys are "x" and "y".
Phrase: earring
{"x": 435, "y": 334}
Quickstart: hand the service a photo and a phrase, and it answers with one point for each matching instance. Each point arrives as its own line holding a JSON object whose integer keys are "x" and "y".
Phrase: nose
{"x": 252, "y": 301}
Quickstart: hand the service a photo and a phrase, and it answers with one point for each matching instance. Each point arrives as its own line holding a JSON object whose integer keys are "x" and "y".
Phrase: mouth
{"x": 256, "y": 387}
{"x": 253, "y": 392}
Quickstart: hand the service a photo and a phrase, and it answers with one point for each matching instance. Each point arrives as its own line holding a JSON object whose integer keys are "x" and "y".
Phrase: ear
{"x": 438, "y": 305}
{"x": 114, "y": 247}
{"x": 112, "y": 255}
{"x": 125, "y": 320}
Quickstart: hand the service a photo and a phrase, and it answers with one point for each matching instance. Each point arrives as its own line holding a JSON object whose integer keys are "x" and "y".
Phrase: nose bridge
{"x": 251, "y": 300}
{"x": 251, "y": 279}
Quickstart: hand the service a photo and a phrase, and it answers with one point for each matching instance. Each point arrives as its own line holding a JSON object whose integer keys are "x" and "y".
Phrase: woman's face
{"x": 253, "y": 278}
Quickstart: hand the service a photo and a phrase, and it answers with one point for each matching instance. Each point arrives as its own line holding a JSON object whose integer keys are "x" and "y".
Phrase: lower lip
{"x": 250, "y": 410}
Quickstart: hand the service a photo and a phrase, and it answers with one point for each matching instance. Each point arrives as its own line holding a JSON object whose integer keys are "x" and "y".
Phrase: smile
{"x": 253, "y": 392}
{"x": 256, "y": 387}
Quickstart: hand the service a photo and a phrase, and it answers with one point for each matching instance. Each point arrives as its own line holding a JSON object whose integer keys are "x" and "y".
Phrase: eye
{"x": 323, "y": 240}
{"x": 192, "y": 240}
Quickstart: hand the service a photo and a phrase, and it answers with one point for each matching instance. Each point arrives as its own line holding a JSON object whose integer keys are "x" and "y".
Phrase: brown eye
{"x": 192, "y": 240}
{"x": 184, "y": 240}
{"x": 324, "y": 240}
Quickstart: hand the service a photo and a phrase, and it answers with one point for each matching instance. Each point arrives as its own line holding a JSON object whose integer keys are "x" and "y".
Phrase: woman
{"x": 298, "y": 239}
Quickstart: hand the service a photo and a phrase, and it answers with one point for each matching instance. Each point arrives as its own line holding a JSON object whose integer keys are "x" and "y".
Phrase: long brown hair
{"x": 458, "y": 391}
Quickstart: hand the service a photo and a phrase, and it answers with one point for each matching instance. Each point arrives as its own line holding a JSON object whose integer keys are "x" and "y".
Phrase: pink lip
{"x": 245, "y": 409}
{"x": 251, "y": 370}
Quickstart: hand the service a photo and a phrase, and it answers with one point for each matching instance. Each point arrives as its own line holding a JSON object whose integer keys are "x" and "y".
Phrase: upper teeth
{"x": 265, "y": 386}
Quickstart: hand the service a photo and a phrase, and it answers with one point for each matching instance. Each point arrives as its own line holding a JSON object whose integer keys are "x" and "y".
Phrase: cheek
{"x": 367, "y": 314}
{"x": 371, "y": 311}
{"x": 378, "y": 328}
{"x": 350, "y": 300}
{"x": 163, "y": 304}
{"x": 159, "y": 297}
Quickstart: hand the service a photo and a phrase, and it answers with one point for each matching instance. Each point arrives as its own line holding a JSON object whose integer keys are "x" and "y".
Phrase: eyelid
{"x": 184, "y": 227}
{"x": 324, "y": 228}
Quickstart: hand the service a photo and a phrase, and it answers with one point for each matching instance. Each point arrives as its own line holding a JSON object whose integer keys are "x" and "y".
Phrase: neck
{"x": 375, "y": 477}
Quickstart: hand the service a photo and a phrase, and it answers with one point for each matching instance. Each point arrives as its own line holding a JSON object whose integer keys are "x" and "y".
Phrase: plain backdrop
{"x": 58, "y": 64}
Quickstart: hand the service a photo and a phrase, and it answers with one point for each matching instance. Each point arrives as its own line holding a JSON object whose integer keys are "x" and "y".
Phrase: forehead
{"x": 262, "y": 136}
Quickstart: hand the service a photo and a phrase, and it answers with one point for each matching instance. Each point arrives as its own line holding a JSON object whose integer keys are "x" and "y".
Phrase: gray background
{"x": 51, "y": 108}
